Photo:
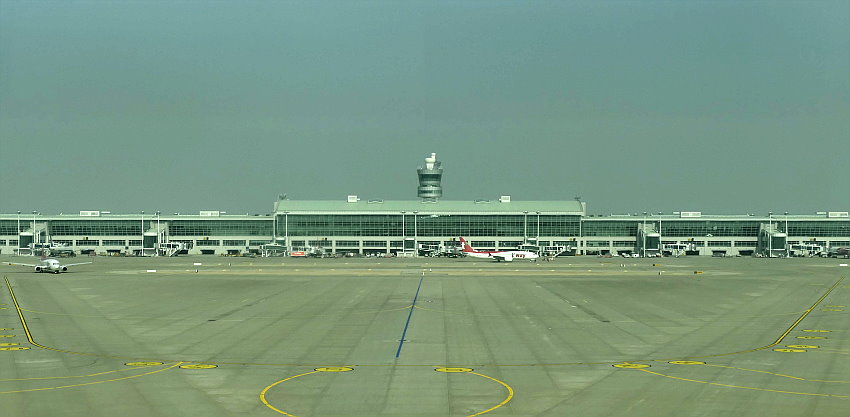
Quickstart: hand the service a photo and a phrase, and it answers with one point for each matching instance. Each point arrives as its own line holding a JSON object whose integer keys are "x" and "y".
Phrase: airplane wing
{"x": 16, "y": 264}
{"x": 81, "y": 263}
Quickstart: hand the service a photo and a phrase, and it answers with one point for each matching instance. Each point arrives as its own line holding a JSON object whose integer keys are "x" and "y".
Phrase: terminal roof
{"x": 441, "y": 206}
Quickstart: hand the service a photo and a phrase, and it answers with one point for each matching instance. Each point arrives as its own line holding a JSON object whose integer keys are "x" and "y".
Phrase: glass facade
{"x": 426, "y": 225}
{"x": 219, "y": 228}
{"x": 95, "y": 227}
{"x": 709, "y": 227}
{"x": 609, "y": 228}
{"x": 389, "y": 230}
{"x": 815, "y": 228}
{"x": 7, "y": 227}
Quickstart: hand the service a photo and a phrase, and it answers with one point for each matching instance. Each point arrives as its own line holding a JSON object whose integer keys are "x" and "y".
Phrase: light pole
{"x": 580, "y": 251}
{"x": 660, "y": 236}
{"x": 538, "y": 228}
{"x": 142, "y": 248}
{"x": 770, "y": 234}
{"x": 415, "y": 244}
{"x": 34, "y": 239}
{"x": 525, "y": 227}
{"x": 157, "y": 233}
{"x": 286, "y": 229}
{"x": 643, "y": 236}
{"x": 787, "y": 249}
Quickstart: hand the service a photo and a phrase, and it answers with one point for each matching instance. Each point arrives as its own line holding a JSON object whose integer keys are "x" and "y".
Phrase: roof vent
{"x": 353, "y": 199}
{"x": 505, "y": 199}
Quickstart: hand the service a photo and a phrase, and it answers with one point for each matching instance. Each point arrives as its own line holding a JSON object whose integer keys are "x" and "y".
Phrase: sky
{"x": 724, "y": 107}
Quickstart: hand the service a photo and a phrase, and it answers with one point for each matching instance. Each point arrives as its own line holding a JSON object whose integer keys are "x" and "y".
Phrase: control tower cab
{"x": 430, "y": 178}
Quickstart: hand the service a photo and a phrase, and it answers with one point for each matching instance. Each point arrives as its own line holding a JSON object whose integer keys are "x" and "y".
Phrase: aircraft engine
{"x": 64, "y": 269}
{"x": 38, "y": 269}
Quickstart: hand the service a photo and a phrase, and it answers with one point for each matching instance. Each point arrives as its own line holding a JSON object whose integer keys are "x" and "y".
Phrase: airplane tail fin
{"x": 466, "y": 247}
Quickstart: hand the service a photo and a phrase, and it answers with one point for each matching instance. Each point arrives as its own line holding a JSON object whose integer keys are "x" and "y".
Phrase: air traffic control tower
{"x": 430, "y": 177}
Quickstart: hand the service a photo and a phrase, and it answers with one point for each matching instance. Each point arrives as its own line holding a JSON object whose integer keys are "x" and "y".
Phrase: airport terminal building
{"x": 425, "y": 226}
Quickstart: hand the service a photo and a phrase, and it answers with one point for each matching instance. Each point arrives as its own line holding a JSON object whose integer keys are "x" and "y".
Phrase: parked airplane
{"x": 49, "y": 265}
{"x": 498, "y": 256}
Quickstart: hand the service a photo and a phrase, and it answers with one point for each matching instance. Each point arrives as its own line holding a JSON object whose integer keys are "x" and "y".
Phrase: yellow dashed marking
{"x": 199, "y": 366}
{"x": 811, "y": 337}
{"x": 14, "y": 348}
{"x": 631, "y": 365}
{"x": 687, "y": 362}
{"x": 450, "y": 370}
{"x": 789, "y": 350}
{"x": 143, "y": 363}
{"x": 817, "y": 331}
{"x": 802, "y": 346}
{"x": 335, "y": 369}
{"x": 8, "y": 344}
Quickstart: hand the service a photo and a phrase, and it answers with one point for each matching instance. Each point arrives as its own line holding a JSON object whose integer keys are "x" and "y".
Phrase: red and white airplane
{"x": 498, "y": 256}
{"x": 49, "y": 265}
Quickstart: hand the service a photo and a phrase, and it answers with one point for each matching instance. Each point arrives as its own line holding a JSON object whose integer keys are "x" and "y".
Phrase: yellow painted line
{"x": 743, "y": 387}
{"x": 67, "y": 377}
{"x": 505, "y": 401}
{"x": 809, "y": 310}
{"x": 345, "y": 368}
{"x": 32, "y": 341}
{"x": 93, "y": 383}
{"x": 777, "y": 374}
{"x": 266, "y": 389}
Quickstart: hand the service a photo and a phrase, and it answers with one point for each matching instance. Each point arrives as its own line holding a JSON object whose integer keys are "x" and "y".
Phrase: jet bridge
{"x": 648, "y": 241}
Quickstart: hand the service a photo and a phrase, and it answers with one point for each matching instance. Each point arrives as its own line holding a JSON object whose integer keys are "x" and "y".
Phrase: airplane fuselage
{"x": 50, "y": 265}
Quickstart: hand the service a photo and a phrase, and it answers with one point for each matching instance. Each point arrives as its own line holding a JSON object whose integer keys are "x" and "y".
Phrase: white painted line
{"x": 151, "y": 270}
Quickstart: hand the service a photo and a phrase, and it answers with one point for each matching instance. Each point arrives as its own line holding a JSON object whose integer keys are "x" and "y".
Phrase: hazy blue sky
{"x": 718, "y": 106}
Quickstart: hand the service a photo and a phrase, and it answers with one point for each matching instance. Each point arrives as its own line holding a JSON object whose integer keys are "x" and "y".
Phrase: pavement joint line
{"x": 412, "y": 307}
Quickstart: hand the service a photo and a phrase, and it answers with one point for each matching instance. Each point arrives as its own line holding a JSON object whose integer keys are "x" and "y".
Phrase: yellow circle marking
{"x": 7, "y": 335}
{"x": 817, "y": 331}
{"x": 452, "y": 370}
{"x": 335, "y": 369}
{"x": 811, "y": 337}
{"x": 199, "y": 366}
{"x": 14, "y": 348}
{"x": 8, "y": 344}
{"x": 687, "y": 362}
{"x": 631, "y": 365}
{"x": 143, "y": 363}
{"x": 802, "y": 346}
{"x": 789, "y": 350}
